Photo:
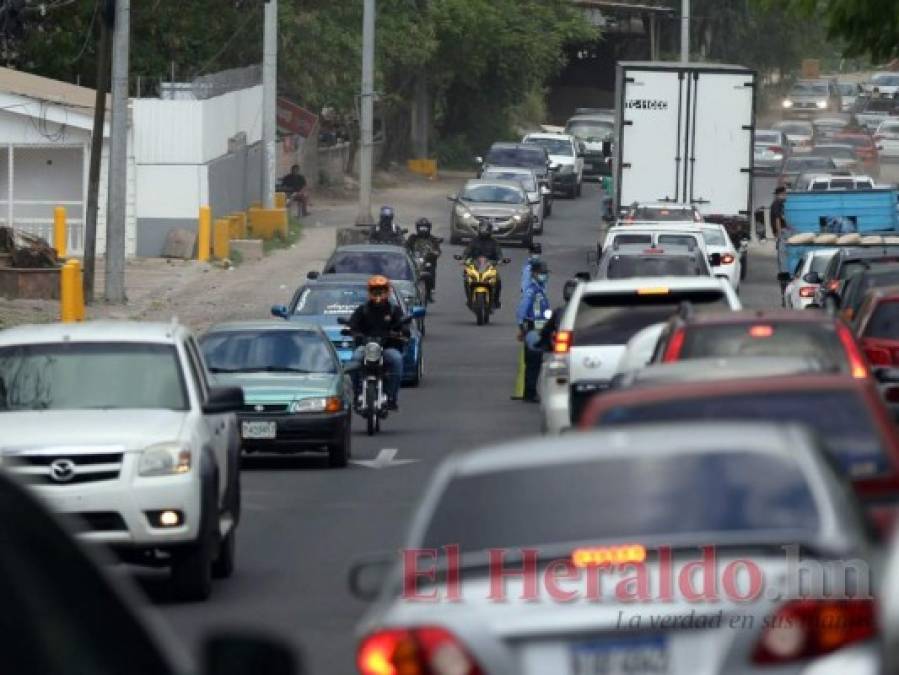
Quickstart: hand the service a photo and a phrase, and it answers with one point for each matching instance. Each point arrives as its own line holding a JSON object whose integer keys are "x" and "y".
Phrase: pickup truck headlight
{"x": 164, "y": 459}
{"x": 821, "y": 104}
{"x": 317, "y": 404}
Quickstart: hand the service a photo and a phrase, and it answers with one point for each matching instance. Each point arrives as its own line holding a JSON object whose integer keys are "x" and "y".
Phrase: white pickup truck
{"x": 116, "y": 427}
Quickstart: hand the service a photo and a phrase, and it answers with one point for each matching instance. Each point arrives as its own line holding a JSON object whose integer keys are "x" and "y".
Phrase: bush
{"x": 455, "y": 153}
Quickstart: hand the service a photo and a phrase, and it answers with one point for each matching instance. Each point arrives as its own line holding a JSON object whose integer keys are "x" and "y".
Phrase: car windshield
{"x": 492, "y": 194}
{"x": 630, "y": 266}
{"x": 91, "y": 376}
{"x": 390, "y": 265}
{"x": 527, "y": 180}
{"x": 796, "y": 128}
{"x": 841, "y": 419}
{"x": 277, "y": 351}
{"x": 766, "y": 138}
{"x": 554, "y": 146}
{"x": 589, "y": 130}
{"x": 317, "y": 300}
{"x": 517, "y": 157}
{"x": 884, "y": 323}
{"x": 809, "y": 89}
{"x": 714, "y": 237}
{"x": 738, "y": 493}
{"x": 833, "y": 151}
{"x": 613, "y": 318}
{"x": 885, "y": 80}
{"x": 817, "y": 340}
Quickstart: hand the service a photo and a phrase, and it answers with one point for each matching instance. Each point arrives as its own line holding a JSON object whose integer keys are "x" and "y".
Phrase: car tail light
{"x": 417, "y": 651}
{"x": 857, "y": 365}
{"x": 727, "y": 259}
{"x": 807, "y": 291}
{"x": 804, "y": 629}
{"x": 761, "y": 331}
{"x": 675, "y": 346}
{"x": 878, "y": 356}
{"x": 562, "y": 342}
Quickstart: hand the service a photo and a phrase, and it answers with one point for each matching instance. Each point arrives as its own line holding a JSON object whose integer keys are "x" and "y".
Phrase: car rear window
{"x": 737, "y": 492}
{"x": 820, "y": 263}
{"x": 854, "y": 266}
{"x": 391, "y": 265}
{"x": 633, "y": 239}
{"x": 613, "y": 318}
{"x": 630, "y": 266}
{"x": 517, "y": 157}
{"x": 884, "y": 323}
{"x": 817, "y": 340}
{"x": 714, "y": 238}
{"x": 688, "y": 240}
{"x": 841, "y": 419}
{"x": 766, "y": 138}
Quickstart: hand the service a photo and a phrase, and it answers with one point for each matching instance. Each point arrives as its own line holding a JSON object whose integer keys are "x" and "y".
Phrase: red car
{"x": 762, "y": 333}
{"x": 846, "y": 412}
{"x": 865, "y": 150}
{"x": 877, "y": 327}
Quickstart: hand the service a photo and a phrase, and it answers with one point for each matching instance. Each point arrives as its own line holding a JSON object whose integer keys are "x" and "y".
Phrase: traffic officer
{"x": 533, "y": 312}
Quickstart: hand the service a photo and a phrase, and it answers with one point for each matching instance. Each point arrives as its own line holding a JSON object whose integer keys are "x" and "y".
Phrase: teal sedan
{"x": 297, "y": 395}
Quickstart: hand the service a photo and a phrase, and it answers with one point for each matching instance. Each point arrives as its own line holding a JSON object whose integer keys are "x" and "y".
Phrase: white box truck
{"x": 684, "y": 133}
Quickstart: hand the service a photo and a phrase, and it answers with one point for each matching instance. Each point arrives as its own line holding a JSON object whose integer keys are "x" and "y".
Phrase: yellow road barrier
{"x": 221, "y": 240}
{"x": 238, "y": 225}
{"x": 280, "y": 200}
{"x": 59, "y": 231}
{"x": 204, "y": 234}
{"x": 423, "y": 167}
{"x": 71, "y": 292}
{"x": 267, "y": 223}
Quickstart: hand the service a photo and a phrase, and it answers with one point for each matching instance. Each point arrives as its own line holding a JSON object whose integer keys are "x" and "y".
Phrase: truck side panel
{"x": 872, "y": 210}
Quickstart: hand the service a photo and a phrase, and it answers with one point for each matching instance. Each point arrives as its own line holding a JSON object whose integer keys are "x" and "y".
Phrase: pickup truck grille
{"x": 42, "y": 468}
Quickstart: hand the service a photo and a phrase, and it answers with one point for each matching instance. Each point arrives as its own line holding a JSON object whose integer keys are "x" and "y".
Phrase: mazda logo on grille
{"x": 62, "y": 470}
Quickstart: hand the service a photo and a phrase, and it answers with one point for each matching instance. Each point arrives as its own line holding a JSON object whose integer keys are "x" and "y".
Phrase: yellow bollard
{"x": 79, "y": 289}
{"x": 69, "y": 280}
{"x": 221, "y": 239}
{"x": 238, "y": 225}
{"x": 204, "y": 234}
{"x": 59, "y": 231}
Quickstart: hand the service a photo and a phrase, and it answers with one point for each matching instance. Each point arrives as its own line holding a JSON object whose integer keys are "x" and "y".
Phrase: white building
{"x": 182, "y": 154}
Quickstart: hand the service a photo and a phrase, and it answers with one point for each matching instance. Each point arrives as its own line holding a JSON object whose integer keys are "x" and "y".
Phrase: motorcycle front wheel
{"x": 480, "y": 308}
{"x": 371, "y": 413}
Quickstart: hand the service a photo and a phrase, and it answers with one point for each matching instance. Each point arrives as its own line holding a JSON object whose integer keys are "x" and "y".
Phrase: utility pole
{"x": 364, "y": 216}
{"x": 685, "y": 31}
{"x": 270, "y": 102}
{"x": 107, "y": 17}
{"x": 118, "y": 158}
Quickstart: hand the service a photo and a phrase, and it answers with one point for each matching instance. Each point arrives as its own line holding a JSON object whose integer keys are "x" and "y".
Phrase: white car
{"x": 116, "y": 427}
{"x": 887, "y": 139}
{"x": 566, "y": 155}
{"x": 657, "y": 235}
{"x": 886, "y": 83}
{"x": 599, "y": 320}
{"x": 528, "y": 181}
{"x": 717, "y": 240}
{"x": 660, "y": 212}
{"x": 806, "y": 278}
{"x": 639, "y": 349}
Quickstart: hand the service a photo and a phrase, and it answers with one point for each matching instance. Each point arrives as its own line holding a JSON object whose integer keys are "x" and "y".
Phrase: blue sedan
{"x": 323, "y": 300}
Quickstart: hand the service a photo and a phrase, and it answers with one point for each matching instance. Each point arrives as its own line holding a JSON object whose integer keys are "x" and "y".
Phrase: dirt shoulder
{"x": 201, "y": 294}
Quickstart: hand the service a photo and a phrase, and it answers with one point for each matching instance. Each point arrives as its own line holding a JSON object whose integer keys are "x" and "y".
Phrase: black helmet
{"x": 385, "y": 218}
{"x": 485, "y": 227}
{"x": 423, "y": 226}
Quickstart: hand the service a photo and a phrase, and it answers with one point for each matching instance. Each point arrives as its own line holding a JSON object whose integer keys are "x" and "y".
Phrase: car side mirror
{"x": 784, "y": 277}
{"x": 313, "y": 275}
{"x": 223, "y": 400}
{"x": 366, "y": 578}
{"x": 237, "y": 654}
{"x": 607, "y": 148}
{"x": 457, "y": 257}
{"x": 715, "y": 259}
{"x": 419, "y": 312}
{"x": 812, "y": 278}
{"x": 279, "y": 311}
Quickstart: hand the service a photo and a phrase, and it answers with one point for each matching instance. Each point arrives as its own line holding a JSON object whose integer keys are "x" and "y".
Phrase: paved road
{"x": 303, "y": 523}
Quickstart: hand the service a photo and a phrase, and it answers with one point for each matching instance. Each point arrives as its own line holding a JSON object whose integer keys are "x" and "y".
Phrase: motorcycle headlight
{"x": 164, "y": 459}
{"x": 822, "y": 104}
{"x": 787, "y": 103}
{"x": 373, "y": 352}
{"x": 317, "y": 404}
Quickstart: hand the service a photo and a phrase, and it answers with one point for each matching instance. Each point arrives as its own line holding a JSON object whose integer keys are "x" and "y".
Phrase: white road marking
{"x": 386, "y": 458}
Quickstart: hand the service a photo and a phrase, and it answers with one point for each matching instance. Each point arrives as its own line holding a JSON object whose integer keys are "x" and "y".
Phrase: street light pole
{"x": 270, "y": 102}
{"x": 685, "y": 31}
{"x": 364, "y": 217}
{"x": 116, "y": 209}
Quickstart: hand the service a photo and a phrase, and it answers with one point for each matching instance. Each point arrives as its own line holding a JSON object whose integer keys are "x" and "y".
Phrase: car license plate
{"x": 259, "y": 430}
{"x": 647, "y": 656}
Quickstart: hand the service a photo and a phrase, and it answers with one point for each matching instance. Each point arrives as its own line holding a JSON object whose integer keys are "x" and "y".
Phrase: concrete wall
{"x": 235, "y": 181}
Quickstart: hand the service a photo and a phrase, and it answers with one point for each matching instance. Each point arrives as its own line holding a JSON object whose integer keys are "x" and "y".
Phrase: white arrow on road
{"x": 386, "y": 458}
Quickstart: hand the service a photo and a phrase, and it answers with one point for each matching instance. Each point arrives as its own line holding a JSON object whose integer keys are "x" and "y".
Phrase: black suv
{"x": 527, "y": 155}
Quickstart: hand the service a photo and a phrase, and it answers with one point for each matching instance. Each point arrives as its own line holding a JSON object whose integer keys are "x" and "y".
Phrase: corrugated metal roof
{"x": 47, "y": 89}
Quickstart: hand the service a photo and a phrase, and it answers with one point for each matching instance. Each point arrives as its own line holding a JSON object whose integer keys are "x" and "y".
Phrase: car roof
{"x": 514, "y": 146}
{"x": 545, "y": 135}
{"x": 648, "y": 441}
{"x": 753, "y": 316}
{"x": 263, "y": 325}
{"x": 339, "y": 279}
{"x": 496, "y": 168}
{"x": 599, "y": 116}
{"x": 95, "y": 331}
{"x": 600, "y": 286}
{"x": 664, "y": 226}
{"x": 862, "y": 254}
{"x": 671, "y": 206}
{"x": 706, "y": 369}
{"x": 499, "y": 183}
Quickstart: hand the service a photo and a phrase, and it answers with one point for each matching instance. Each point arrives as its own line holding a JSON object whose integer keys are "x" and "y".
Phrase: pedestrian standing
{"x": 532, "y": 314}
{"x": 779, "y": 229}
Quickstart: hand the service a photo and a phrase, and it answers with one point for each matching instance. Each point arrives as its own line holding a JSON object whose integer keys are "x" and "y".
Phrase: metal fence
{"x": 35, "y": 179}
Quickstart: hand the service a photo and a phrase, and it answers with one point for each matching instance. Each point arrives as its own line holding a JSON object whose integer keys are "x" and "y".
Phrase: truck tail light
{"x": 675, "y": 346}
{"x": 804, "y": 629}
{"x": 857, "y": 366}
{"x": 727, "y": 259}
{"x": 562, "y": 342}
{"x": 416, "y": 651}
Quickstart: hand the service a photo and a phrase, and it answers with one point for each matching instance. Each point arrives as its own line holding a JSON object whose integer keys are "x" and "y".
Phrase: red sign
{"x": 294, "y": 119}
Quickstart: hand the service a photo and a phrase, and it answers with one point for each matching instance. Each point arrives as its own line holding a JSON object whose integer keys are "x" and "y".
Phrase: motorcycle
{"x": 480, "y": 277}
{"x": 426, "y": 261}
{"x": 372, "y": 399}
